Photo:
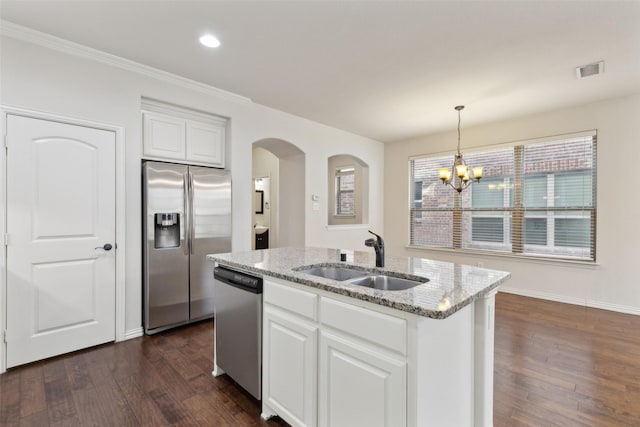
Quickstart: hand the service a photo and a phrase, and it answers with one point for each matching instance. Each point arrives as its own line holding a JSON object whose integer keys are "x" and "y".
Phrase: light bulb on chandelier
{"x": 460, "y": 175}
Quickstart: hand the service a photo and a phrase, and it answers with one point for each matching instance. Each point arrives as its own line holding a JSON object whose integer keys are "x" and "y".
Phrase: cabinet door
{"x": 205, "y": 143}
{"x": 359, "y": 385}
{"x": 289, "y": 366}
{"x": 164, "y": 136}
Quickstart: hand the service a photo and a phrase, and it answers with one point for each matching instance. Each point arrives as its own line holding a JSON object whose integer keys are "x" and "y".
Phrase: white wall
{"x": 291, "y": 230}
{"x": 38, "y": 78}
{"x": 614, "y": 283}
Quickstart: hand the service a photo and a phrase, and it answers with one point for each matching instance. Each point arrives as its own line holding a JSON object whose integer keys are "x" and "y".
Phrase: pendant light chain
{"x": 460, "y": 107}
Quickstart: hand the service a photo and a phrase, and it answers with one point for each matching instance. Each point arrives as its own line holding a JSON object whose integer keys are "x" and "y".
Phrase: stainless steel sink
{"x": 334, "y": 273}
{"x": 364, "y": 278}
{"x": 386, "y": 283}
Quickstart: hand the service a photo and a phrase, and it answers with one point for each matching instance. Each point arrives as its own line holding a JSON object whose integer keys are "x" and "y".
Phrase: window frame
{"x": 340, "y": 173}
{"x": 512, "y": 245}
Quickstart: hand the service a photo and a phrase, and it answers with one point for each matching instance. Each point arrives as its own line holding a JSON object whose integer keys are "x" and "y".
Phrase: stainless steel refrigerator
{"x": 186, "y": 215}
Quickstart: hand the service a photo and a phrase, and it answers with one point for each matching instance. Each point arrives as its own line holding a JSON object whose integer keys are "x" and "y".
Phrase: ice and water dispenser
{"x": 167, "y": 230}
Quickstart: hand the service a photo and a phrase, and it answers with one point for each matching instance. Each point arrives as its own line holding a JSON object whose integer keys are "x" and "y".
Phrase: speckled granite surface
{"x": 450, "y": 286}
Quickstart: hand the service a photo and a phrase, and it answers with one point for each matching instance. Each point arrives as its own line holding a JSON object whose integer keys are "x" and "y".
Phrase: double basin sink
{"x": 354, "y": 276}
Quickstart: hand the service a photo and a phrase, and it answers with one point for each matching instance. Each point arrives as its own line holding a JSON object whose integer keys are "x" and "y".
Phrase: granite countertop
{"x": 450, "y": 287}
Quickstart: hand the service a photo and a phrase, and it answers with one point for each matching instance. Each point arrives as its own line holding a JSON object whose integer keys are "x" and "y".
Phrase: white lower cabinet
{"x": 358, "y": 382}
{"x": 289, "y": 360}
{"x": 359, "y": 385}
{"x": 333, "y": 361}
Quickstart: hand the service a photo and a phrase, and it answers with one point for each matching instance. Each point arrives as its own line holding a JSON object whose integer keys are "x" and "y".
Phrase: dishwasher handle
{"x": 238, "y": 280}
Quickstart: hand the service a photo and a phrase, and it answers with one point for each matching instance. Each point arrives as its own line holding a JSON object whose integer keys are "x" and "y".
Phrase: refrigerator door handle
{"x": 192, "y": 217}
{"x": 187, "y": 215}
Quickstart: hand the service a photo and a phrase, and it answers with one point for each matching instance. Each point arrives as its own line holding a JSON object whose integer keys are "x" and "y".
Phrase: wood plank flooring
{"x": 565, "y": 365}
{"x": 149, "y": 381}
{"x": 555, "y": 364}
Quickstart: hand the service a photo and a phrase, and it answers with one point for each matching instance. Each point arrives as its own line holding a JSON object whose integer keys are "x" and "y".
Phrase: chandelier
{"x": 460, "y": 175}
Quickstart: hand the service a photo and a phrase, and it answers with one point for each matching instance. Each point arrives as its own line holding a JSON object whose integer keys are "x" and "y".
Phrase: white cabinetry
{"x": 332, "y": 361}
{"x": 289, "y": 354}
{"x": 205, "y": 143}
{"x": 362, "y": 372}
{"x": 172, "y": 133}
{"x": 359, "y": 385}
{"x": 362, "y": 375}
{"x": 164, "y": 136}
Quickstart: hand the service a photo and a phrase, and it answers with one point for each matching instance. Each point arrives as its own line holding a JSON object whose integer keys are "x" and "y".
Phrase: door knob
{"x": 106, "y": 247}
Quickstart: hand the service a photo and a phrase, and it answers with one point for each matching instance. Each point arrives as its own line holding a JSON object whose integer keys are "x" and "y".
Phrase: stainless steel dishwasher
{"x": 238, "y": 328}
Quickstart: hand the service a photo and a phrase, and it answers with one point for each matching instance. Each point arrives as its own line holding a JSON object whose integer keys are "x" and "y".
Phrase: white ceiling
{"x": 386, "y": 70}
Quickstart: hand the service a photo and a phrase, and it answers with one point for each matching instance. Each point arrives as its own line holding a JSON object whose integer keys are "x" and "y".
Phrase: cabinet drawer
{"x": 291, "y": 299}
{"x": 378, "y": 328}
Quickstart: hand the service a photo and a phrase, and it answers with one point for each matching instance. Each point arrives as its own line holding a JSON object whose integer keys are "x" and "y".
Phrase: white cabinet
{"x": 361, "y": 377}
{"x": 205, "y": 143}
{"x": 334, "y": 361}
{"x": 289, "y": 354}
{"x": 360, "y": 385}
{"x": 182, "y": 136}
{"x": 289, "y": 366}
{"x": 362, "y": 373}
{"x": 164, "y": 136}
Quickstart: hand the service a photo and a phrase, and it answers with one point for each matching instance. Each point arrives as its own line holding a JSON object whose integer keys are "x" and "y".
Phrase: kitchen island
{"x": 336, "y": 353}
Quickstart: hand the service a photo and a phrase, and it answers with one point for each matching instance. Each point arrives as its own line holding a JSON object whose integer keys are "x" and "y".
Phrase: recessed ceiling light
{"x": 209, "y": 40}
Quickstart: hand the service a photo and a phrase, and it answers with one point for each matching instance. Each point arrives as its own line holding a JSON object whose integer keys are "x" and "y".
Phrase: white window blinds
{"x": 345, "y": 192}
{"x": 536, "y": 199}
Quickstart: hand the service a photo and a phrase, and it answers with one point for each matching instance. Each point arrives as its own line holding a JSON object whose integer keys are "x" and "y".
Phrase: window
{"x": 345, "y": 189}
{"x": 535, "y": 199}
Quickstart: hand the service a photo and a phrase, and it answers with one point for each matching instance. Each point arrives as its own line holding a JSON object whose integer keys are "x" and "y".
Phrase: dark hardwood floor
{"x": 149, "y": 381}
{"x": 565, "y": 365}
{"x": 555, "y": 364}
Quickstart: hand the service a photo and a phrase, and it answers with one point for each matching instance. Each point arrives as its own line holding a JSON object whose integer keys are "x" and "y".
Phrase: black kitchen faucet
{"x": 378, "y": 245}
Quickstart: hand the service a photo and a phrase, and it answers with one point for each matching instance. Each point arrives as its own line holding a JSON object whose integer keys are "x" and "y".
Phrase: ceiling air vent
{"x": 590, "y": 70}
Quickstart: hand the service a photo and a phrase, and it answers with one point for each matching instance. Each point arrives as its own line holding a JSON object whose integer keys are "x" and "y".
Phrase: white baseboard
{"x": 614, "y": 307}
{"x": 133, "y": 333}
{"x": 570, "y": 300}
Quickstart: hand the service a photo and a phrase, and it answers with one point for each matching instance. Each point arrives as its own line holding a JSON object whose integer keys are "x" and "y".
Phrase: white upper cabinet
{"x": 180, "y": 135}
{"x": 205, "y": 143}
{"x": 164, "y": 136}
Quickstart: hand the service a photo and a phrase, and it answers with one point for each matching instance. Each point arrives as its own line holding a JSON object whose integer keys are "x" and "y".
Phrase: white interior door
{"x": 60, "y": 221}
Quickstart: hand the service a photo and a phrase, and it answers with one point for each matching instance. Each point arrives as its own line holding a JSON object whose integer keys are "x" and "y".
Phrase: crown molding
{"x": 9, "y": 29}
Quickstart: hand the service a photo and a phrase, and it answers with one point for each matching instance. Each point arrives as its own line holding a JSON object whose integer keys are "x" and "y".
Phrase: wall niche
{"x": 348, "y": 191}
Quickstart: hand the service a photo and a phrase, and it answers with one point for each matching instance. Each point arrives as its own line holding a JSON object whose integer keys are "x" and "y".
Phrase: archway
{"x": 279, "y": 189}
